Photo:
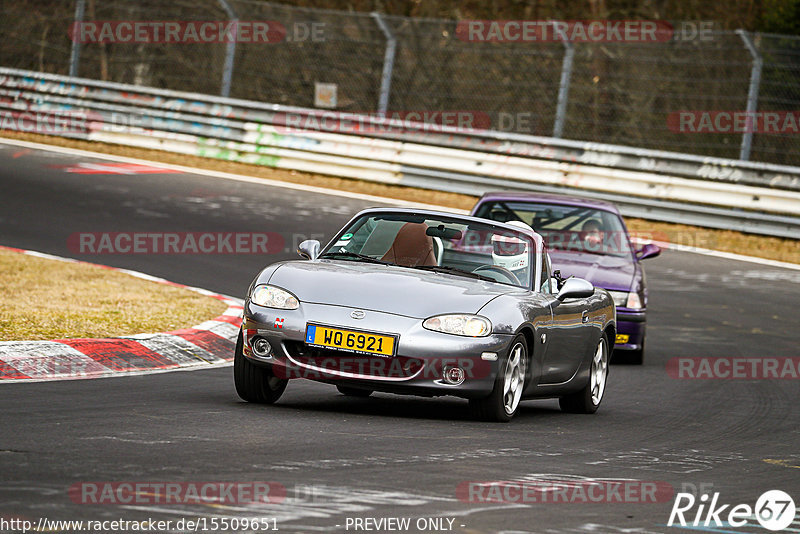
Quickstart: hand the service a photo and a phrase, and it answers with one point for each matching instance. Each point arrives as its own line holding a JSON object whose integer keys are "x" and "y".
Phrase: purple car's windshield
{"x": 569, "y": 228}
{"x": 439, "y": 244}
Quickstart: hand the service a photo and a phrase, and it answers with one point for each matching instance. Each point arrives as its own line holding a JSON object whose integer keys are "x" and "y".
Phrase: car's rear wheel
{"x": 503, "y": 401}
{"x": 255, "y": 383}
{"x": 588, "y": 399}
{"x": 354, "y": 392}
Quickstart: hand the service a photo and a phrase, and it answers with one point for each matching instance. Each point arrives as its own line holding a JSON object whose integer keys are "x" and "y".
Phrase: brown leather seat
{"x": 411, "y": 247}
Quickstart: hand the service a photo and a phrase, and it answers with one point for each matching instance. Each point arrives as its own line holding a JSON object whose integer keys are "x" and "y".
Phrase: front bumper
{"x": 417, "y": 367}
{"x": 631, "y": 327}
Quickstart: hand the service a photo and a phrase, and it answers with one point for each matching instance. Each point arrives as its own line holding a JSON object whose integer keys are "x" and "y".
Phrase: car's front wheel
{"x": 503, "y": 401}
{"x": 588, "y": 399}
{"x": 255, "y": 383}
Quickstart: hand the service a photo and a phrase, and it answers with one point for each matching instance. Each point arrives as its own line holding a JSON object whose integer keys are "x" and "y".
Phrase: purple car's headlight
{"x": 634, "y": 301}
{"x": 623, "y": 299}
{"x": 274, "y": 297}
{"x": 459, "y": 325}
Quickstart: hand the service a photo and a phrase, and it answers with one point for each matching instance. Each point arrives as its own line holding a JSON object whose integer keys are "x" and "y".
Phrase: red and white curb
{"x": 210, "y": 343}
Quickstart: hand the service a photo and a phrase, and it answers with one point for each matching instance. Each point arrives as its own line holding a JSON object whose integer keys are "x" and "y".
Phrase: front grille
{"x": 393, "y": 368}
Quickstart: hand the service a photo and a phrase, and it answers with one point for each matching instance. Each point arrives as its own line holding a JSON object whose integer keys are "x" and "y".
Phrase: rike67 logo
{"x": 774, "y": 510}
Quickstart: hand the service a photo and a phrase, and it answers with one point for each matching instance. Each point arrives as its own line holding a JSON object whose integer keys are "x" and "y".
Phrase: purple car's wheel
{"x": 588, "y": 399}
{"x": 630, "y": 357}
{"x": 502, "y": 403}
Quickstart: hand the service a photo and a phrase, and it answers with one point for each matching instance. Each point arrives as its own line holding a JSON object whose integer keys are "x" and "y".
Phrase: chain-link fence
{"x": 629, "y": 93}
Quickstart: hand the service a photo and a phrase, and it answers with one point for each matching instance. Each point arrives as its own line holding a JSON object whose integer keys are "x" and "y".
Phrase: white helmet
{"x": 509, "y": 251}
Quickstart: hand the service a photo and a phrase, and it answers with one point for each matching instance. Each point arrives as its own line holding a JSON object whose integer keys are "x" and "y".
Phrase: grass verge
{"x": 773, "y": 248}
{"x": 50, "y": 299}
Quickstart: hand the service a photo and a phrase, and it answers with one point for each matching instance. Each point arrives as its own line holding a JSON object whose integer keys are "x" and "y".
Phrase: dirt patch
{"x": 49, "y": 299}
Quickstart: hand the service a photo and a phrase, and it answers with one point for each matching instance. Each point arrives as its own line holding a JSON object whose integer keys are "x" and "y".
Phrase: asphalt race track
{"x": 343, "y": 458}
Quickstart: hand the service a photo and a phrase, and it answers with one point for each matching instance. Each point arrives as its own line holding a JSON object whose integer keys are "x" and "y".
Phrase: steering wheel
{"x": 511, "y": 277}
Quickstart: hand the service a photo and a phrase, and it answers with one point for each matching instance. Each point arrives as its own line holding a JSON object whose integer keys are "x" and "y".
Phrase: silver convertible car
{"x": 427, "y": 303}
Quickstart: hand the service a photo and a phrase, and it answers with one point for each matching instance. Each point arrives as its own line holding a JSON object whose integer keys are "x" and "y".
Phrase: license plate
{"x": 350, "y": 340}
{"x": 622, "y": 339}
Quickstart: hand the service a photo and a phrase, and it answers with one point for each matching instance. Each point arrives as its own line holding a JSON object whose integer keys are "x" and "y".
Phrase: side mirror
{"x": 309, "y": 249}
{"x": 648, "y": 251}
{"x": 575, "y": 288}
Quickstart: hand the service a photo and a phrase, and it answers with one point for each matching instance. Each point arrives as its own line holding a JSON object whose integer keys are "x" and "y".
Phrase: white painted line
{"x": 727, "y": 255}
{"x": 49, "y": 256}
{"x": 234, "y": 302}
{"x": 360, "y": 196}
{"x": 228, "y": 175}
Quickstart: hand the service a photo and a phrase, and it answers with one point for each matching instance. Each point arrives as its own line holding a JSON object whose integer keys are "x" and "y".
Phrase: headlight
{"x": 459, "y": 324}
{"x": 634, "y": 302}
{"x": 623, "y": 299}
{"x": 274, "y": 297}
{"x": 620, "y": 297}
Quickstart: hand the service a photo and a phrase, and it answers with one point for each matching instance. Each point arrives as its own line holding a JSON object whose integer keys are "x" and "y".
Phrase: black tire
{"x": 255, "y": 383}
{"x": 354, "y": 392}
{"x": 635, "y": 357}
{"x": 583, "y": 401}
{"x": 629, "y": 357}
{"x": 493, "y": 407}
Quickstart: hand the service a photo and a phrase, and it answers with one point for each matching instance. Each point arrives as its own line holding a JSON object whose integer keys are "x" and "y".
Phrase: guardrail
{"x": 711, "y": 192}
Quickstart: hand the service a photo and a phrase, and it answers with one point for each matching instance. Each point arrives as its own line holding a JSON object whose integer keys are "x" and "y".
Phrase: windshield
{"x": 440, "y": 244}
{"x": 570, "y": 228}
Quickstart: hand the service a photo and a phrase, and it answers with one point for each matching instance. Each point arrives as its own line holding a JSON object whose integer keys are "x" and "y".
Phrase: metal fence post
{"x": 752, "y": 95}
{"x": 563, "y": 89}
{"x": 75, "y": 55}
{"x": 230, "y": 51}
{"x": 388, "y": 63}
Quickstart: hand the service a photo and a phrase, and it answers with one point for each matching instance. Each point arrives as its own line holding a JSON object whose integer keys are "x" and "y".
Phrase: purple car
{"x": 586, "y": 239}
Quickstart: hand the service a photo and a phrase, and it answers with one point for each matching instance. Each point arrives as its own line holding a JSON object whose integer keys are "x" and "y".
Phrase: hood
{"x": 609, "y": 272}
{"x": 396, "y": 290}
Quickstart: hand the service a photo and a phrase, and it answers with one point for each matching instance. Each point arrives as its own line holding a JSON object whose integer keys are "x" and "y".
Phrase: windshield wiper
{"x": 453, "y": 270}
{"x": 346, "y": 254}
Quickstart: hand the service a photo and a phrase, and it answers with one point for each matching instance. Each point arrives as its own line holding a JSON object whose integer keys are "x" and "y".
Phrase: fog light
{"x": 261, "y": 347}
{"x": 453, "y": 375}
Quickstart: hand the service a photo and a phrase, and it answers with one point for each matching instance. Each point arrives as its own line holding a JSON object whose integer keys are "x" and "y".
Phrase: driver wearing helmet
{"x": 512, "y": 253}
